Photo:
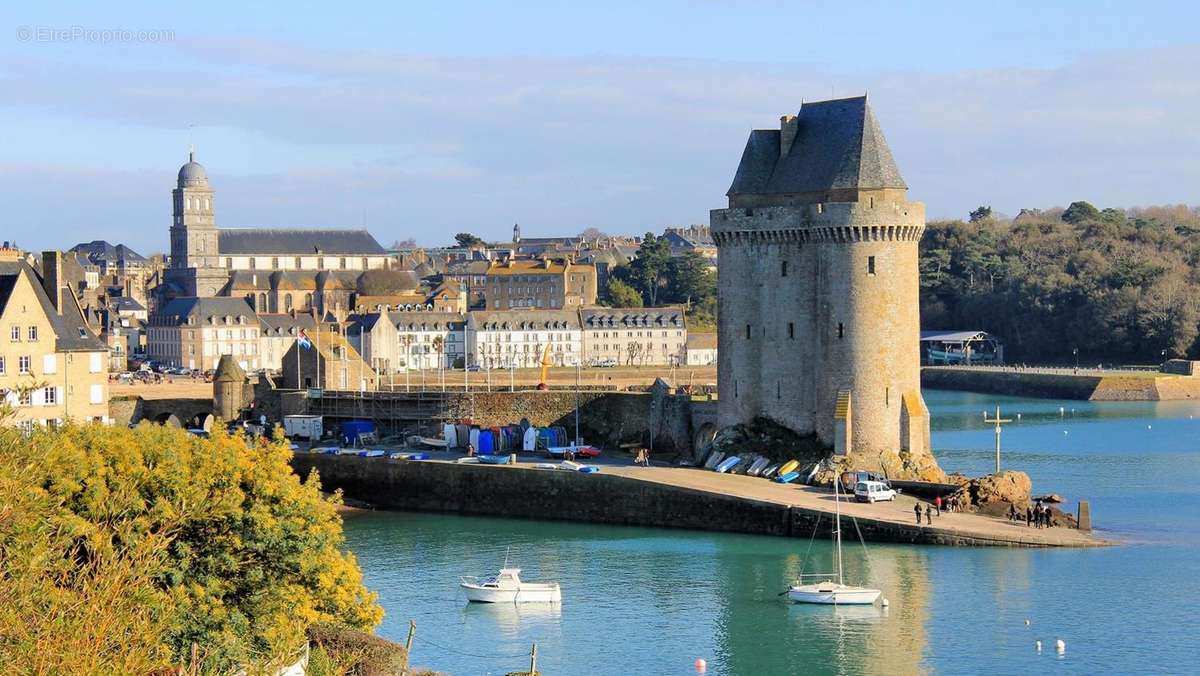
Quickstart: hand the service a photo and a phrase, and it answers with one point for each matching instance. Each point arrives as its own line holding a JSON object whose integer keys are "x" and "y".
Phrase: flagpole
{"x": 299, "y": 335}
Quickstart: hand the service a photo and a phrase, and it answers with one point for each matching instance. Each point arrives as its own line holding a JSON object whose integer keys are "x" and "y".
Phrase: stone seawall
{"x": 528, "y": 493}
{"x": 1063, "y": 385}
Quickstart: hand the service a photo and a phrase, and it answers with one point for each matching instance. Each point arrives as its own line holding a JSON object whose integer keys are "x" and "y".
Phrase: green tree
{"x": 980, "y": 214}
{"x": 1080, "y": 212}
{"x": 148, "y": 541}
{"x": 620, "y": 294}
{"x": 466, "y": 239}
{"x": 649, "y": 269}
{"x": 689, "y": 279}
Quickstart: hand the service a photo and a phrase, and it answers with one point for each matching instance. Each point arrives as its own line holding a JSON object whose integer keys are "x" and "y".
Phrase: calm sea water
{"x": 651, "y": 601}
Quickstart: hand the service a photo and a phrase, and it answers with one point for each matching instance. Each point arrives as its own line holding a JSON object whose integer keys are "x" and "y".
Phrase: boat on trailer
{"x": 832, "y": 589}
{"x": 507, "y": 587}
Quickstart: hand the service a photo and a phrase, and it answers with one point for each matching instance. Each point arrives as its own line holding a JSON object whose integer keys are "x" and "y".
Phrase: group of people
{"x": 930, "y": 510}
{"x": 1036, "y": 516}
{"x": 642, "y": 457}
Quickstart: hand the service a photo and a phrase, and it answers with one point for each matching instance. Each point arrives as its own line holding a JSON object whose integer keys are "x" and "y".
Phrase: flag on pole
{"x": 303, "y": 340}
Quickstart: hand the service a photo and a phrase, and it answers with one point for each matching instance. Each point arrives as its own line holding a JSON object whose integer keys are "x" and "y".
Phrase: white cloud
{"x": 435, "y": 145}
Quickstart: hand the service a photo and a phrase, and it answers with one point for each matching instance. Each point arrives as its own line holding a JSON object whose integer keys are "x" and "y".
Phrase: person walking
{"x": 917, "y": 509}
{"x": 929, "y": 514}
{"x": 937, "y": 504}
{"x": 470, "y": 451}
{"x": 1028, "y": 517}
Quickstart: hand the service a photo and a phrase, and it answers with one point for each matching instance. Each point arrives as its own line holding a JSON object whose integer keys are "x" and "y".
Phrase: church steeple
{"x": 516, "y": 233}
{"x": 193, "y": 227}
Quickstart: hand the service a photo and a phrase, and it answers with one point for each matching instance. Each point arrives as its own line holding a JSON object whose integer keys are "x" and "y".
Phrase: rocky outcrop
{"x": 993, "y": 494}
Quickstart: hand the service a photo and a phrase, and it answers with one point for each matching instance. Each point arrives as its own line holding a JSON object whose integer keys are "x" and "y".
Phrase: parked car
{"x": 873, "y": 491}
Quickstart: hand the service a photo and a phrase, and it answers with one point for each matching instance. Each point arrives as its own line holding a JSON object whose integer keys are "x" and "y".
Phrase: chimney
{"x": 52, "y": 278}
{"x": 788, "y": 125}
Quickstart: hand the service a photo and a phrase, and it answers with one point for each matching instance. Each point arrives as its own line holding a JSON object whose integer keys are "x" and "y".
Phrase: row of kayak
{"x": 753, "y": 465}
{"x": 368, "y": 453}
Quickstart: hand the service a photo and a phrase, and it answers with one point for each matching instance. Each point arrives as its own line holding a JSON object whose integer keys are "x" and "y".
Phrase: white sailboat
{"x": 832, "y": 590}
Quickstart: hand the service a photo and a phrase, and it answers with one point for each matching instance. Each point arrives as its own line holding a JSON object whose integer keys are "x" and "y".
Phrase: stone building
{"x": 277, "y": 332}
{"x": 818, "y": 307}
{"x": 634, "y": 336}
{"x": 203, "y": 257}
{"x": 330, "y": 362}
{"x": 541, "y": 284}
{"x": 52, "y": 365}
{"x": 195, "y": 333}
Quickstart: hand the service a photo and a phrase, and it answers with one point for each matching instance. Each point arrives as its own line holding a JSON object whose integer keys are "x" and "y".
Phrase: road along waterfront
{"x": 641, "y": 600}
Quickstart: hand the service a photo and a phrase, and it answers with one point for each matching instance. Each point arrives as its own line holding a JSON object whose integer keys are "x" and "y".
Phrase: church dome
{"x": 192, "y": 173}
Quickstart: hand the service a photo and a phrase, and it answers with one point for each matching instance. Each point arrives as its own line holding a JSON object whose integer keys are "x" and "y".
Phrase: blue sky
{"x": 425, "y": 119}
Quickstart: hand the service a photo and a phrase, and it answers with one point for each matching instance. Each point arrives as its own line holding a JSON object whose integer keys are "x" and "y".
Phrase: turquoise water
{"x": 651, "y": 601}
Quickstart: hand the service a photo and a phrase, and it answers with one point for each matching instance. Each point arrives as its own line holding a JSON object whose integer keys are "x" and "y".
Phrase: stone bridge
{"x": 189, "y": 413}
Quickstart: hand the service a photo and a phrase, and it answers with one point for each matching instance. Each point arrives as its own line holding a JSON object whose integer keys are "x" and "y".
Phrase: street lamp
{"x": 1076, "y": 353}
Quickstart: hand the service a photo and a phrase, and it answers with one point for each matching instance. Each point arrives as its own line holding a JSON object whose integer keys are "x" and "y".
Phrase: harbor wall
{"x": 1063, "y": 385}
{"x": 529, "y": 493}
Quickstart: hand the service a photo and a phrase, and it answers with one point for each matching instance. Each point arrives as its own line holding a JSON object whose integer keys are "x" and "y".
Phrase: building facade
{"x": 329, "y": 362}
{"x": 539, "y": 284}
{"x": 53, "y": 368}
{"x": 520, "y": 339}
{"x": 276, "y": 334}
{"x": 194, "y": 333}
{"x": 818, "y": 306}
{"x": 634, "y": 336}
{"x": 203, "y": 257}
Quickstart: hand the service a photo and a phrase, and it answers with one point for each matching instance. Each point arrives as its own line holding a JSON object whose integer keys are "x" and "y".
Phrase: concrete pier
{"x": 672, "y": 497}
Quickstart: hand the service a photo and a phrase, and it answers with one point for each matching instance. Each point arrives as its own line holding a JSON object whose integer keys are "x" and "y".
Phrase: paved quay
{"x": 899, "y": 512}
{"x": 663, "y": 496}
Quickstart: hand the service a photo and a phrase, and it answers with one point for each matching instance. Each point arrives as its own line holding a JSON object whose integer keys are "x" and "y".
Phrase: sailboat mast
{"x": 837, "y": 506}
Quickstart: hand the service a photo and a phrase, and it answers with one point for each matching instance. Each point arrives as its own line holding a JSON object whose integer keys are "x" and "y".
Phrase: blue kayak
{"x": 728, "y": 464}
{"x": 787, "y": 478}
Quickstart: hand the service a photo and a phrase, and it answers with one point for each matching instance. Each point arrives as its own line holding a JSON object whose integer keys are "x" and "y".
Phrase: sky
{"x": 421, "y": 120}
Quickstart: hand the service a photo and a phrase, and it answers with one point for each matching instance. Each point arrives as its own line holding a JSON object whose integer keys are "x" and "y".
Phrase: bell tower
{"x": 195, "y": 259}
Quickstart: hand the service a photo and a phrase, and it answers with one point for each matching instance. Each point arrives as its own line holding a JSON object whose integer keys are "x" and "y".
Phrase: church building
{"x": 204, "y": 257}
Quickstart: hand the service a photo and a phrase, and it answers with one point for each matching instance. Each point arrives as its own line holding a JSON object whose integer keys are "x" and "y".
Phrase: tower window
{"x": 841, "y": 331}
{"x": 870, "y": 265}
{"x": 778, "y": 390}
{"x": 791, "y": 331}
{"x": 783, "y": 269}
{"x": 747, "y": 332}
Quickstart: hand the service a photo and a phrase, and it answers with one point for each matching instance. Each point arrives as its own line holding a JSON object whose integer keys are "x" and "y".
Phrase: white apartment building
{"x": 518, "y": 338}
{"x": 634, "y": 336}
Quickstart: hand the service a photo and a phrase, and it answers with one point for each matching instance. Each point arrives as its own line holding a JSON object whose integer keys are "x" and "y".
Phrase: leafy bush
{"x": 122, "y": 549}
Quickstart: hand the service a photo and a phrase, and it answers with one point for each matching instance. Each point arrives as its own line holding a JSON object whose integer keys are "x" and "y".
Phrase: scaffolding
{"x": 392, "y": 411}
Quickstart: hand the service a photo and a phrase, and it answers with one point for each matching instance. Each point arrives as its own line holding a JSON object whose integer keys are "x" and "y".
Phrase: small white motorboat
{"x": 507, "y": 587}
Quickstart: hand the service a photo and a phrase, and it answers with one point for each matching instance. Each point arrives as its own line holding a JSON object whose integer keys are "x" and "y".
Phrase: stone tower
{"x": 229, "y": 389}
{"x": 817, "y": 298}
{"x": 195, "y": 258}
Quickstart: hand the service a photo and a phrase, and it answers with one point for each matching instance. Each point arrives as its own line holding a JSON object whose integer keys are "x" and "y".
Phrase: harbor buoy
{"x": 1026, "y": 623}
{"x": 1038, "y": 645}
{"x": 1018, "y": 416}
{"x": 1064, "y": 432}
{"x": 1060, "y": 645}
{"x": 701, "y": 665}
{"x": 1149, "y": 427}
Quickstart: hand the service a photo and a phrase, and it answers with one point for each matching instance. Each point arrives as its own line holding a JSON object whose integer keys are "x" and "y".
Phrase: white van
{"x": 873, "y": 491}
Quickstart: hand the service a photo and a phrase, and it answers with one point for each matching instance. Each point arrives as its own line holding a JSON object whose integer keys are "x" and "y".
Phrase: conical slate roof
{"x": 838, "y": 145}
{"x": 228, "y": 370}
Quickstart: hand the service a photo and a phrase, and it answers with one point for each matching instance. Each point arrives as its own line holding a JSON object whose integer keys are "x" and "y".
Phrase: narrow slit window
{"x": 870, "y": 265}
{"x": 783, "y": 269}
{"x": 841, "y": 331}
{"x": 778, "y": 390}
{"x": 747, "y": 332}
{"x": 791, "y": 331}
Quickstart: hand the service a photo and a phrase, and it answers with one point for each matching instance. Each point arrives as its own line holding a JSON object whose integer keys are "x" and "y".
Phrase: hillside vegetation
{"x": 1116, "y": 284}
